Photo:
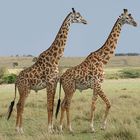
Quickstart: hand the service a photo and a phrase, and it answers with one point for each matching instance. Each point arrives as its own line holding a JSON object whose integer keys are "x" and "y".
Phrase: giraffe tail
{"x": 59, "y": 101}
{"x": 11, "y": 106}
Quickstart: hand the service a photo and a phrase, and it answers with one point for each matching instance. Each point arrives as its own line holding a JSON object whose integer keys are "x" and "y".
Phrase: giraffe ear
{"x": 73, "y": 10}
{"x": 125, "y": 11}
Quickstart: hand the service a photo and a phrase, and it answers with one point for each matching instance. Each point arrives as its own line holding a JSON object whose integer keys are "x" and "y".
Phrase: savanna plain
{"x": 121, "y": 85}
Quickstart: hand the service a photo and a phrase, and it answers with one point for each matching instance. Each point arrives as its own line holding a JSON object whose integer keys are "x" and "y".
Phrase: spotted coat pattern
{"x": 90, "y": 73}
{"x": 44, "y": 72}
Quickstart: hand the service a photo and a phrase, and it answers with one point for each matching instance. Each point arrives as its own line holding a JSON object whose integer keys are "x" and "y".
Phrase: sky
{"x": 30, "y": 26}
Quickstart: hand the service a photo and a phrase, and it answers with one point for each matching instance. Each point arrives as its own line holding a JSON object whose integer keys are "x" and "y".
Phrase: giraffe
{"x": 90, "y": 74}
{"x": 44, "y": 72}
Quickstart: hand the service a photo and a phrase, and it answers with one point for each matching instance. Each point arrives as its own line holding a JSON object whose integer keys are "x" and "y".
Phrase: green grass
{"x": 123, "y": 120}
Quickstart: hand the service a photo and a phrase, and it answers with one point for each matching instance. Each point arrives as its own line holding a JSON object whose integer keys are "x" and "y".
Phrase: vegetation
{"x": 6, "y": 77}
{"x": 130, "y": 73}
{"x": 15, "y": 64}
{"x": 9, "y": 79}
{"x": 116, "y": 61}
{"x": 123, "y": 120}
{"x": 122, "y": 73}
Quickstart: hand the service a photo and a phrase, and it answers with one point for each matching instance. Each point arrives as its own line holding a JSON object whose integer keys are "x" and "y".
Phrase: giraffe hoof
{"x": 92, "y": 130}
{"x": 60, "y": 129}
{"x": 50, "y": 131}
{"x": 71, "y": 131}
{"x": 103, "y": 127}
{"x": 61, "y": 132}
{"x": 19, "y": 130}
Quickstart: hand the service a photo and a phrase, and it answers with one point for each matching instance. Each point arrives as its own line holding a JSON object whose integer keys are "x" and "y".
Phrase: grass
{"x": 123, "y": 120}
{"x": 116, "y": 61}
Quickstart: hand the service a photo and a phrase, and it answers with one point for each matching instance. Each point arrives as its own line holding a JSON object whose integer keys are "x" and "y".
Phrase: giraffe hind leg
{"x": 65, "y": 106}
{"x": 20, "y": 109}
{"x": 63, "y": 109}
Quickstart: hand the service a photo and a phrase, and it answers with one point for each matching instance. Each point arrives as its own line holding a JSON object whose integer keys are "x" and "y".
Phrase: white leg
{"x": 103, "y": 125}
{"x": 50, "y": 129}
{"x": 92, "y": 127}
{"x": 70, "y": 128}
{"x": 19, "y": 130}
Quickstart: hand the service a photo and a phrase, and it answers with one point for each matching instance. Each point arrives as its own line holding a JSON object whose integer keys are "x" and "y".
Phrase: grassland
{"x": 123, "y": 120}
{"x": 116, "y": 61}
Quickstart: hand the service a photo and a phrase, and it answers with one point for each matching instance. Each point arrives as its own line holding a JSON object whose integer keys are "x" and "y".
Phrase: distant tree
{"x": 120, "y": 54}
{"x": 34, "y": 59}
{"x": 127, "y": 54}
{"x": 15, "y": 64}
{"x": 133, "y": 54}
{"x": 29, "y": 55}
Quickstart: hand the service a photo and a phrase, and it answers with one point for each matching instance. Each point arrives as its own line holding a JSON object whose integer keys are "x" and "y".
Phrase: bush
{"x": 9, "y": 79}
{"x": 130, "y": 73}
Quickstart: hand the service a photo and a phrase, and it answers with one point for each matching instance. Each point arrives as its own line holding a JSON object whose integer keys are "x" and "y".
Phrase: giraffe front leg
{"x": 94, "y": 98}
{"x": 108, "y": 106}
{"x": 50, "y": 105}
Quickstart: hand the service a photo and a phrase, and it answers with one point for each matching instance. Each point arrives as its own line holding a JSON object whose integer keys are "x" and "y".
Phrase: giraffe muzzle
{"x": 84, "y": 21}
{"x": 135, "y": 24}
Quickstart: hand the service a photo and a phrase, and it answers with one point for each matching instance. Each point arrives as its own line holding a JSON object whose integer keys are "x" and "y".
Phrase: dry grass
{"x": 123, "y": 120}
{"x": 116, "y": 61}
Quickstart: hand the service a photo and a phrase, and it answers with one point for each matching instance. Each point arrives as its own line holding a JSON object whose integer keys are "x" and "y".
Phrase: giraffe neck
{"x": 55, "y": 52}
{"x": 107, "y": 50}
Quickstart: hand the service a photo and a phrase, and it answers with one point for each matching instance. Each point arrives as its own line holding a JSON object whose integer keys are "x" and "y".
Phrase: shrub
{"x": 9, "y": 79}
{"x": 130, "y": 73}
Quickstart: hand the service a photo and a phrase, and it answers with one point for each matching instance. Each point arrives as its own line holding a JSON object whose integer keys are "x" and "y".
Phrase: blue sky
{"x": 30, "y": 26}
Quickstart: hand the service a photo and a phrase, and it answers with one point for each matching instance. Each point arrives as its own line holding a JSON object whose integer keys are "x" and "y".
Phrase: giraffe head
{"x": 76, "y": 17}
{"x": 126, "y": 18}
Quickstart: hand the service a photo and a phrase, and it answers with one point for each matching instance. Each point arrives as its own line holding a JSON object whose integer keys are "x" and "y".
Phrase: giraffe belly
{"x": 84, "y": 85}
{"x": 39, "y": 86}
